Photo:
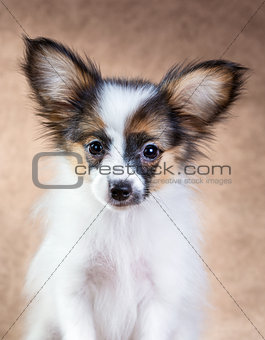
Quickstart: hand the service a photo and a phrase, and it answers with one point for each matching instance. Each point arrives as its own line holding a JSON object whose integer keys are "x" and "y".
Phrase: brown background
{"x": 144, "y": 38}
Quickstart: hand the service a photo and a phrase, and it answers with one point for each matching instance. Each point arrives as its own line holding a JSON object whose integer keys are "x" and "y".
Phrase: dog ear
{"x": 55, "y": 73}
{"x": 201, "y": 93}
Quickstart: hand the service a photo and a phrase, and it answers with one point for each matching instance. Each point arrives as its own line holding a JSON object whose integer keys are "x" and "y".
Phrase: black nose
{"x": 121, "y": 191}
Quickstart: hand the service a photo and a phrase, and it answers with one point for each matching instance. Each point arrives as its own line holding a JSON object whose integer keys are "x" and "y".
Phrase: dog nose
{"x": 121, "y": 191}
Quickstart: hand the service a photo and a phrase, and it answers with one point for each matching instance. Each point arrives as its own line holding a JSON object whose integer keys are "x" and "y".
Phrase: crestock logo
{"x": 35, "y": 169}
{"x": 82, "y": 170}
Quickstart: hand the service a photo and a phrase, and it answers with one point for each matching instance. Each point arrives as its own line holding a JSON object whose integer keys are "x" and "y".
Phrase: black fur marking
{"x": 132, "y": 156}
{"x": 100, "y": 135}
{"x": 136, "y": 83}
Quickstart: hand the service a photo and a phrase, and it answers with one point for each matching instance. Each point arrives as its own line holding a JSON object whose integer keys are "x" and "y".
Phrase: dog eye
{"x": 151, "y": 151}
{"x": 95, "y": 148}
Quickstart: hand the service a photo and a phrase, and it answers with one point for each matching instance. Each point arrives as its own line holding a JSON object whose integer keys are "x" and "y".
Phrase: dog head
{"x": 127, "y": 130}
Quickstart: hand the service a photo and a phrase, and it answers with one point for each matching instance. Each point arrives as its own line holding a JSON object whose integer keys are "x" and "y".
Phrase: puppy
{"x": 119, "y": 260}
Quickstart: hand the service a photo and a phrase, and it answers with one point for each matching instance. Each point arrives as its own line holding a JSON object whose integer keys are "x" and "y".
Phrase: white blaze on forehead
{"x": 118, "y": 102}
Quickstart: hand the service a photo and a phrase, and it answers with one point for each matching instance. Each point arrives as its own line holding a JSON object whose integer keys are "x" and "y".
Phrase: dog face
{"x": 127, "y": 131}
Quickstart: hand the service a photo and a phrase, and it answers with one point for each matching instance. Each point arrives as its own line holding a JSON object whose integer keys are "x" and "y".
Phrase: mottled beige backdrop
{"x": 143, "y": 38}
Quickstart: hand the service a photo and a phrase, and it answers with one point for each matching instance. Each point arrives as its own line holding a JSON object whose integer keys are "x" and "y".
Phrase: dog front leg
{"x": 156, "y": 321}
{"x": 75, "y": 316}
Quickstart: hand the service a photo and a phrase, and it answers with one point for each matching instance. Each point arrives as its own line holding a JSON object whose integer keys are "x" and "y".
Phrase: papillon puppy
{"x": 120, "y": 256}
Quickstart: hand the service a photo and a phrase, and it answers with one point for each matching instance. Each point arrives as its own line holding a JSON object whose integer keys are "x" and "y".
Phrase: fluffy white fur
{"x": 118, "y": 103}
{"x": 132, "y": 275}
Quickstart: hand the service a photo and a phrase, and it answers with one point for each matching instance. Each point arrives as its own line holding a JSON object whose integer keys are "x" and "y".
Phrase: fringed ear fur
{"x": 55, "y": 72}
{"x": 203, "y": 92}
